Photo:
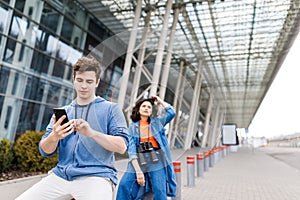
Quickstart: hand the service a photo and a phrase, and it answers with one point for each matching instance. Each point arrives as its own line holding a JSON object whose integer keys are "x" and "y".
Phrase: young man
{"x": 85, "y": 144}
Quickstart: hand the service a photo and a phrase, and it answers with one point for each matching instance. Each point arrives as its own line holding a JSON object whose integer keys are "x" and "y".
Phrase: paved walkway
{"x": 246, "y": 174}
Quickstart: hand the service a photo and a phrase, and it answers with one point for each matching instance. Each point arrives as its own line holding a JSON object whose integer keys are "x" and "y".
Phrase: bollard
{"x": 206, "y": 161}
{"x": 200, "y": 164}
{"x": 190, "y": 171}
{"x": 211, "y": 158}
{"x": 177, "y": 170}
{"x": 222, "y": 152}
{"x": 217, "y": 155}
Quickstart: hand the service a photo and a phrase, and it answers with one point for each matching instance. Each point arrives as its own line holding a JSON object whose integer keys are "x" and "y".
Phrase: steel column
{"x": 165, "y": 75}
{"x": 139, "y": 66}
{"x": 128, "y": 60}
{"x": 177, "y": 103}
{"x": 194, "y": 109}
{"x": 214, "y": 128}
{"x": 221, "y": 121}
{"x": 207, "y": 121}
{"x": 160, "y": 50}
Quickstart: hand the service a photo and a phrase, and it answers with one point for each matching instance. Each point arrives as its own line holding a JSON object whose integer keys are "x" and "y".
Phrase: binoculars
{"x": 146, "y": 147}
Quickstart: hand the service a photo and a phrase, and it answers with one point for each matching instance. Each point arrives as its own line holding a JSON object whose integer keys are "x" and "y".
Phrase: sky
{"x": 279, "y": 113}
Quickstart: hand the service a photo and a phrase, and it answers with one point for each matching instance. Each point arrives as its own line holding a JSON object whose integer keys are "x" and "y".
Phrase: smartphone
{"x": 59, "y": 112}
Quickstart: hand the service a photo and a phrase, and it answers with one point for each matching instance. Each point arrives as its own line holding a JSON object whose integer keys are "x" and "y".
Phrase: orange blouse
{"x": 150, "y": 137}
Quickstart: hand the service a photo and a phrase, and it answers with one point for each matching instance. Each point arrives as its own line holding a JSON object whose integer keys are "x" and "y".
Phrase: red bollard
{"x": 200, "y": 164}
{"x": 206, "y": 161}
{"x": 190, "y": 171}
{"x": 177, "y": 170}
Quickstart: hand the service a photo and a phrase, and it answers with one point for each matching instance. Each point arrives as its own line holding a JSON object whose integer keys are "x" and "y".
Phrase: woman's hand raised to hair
{"x": 160, "y": 101}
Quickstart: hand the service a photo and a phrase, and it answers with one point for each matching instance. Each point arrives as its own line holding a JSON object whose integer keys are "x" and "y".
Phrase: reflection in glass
{"x": 46, "y": 118}
{"x": 53, "y": 94}
{"x": 3, "y": 18}
{"x": 67, "y": 30}
{"x": 40, "y": 62}
{"x": 18, "y": 26}
{"x": 59, "y": 69}
{"x": 7, "y": 118}
{"x": 66, "y": 57}
{"x": 28, "y": 116}
{"x": 34, "y": 88}
{"x": 4, "y": 74}
{"x": 19, "y": 5}
{"x": 7, "y": 1}
{"x": 9, "y": 50}
{"x": 49, "y": 19}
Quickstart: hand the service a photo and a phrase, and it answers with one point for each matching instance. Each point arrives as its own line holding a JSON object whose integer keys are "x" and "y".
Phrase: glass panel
{"x": 34, "y": 89}
{"x": 95, "y": 27}
{"x": 59, "y": 69}
{"x": 66, "y": 56}
{"x": 19, "y": 5}
{"x": 3, "y": 18}
{"x": 15, "y": 84}
{"x": 53, "y": 94}
{"x": 73, "y": 33}
{"x": 46, "y": 118}
{"x": 26, "y": 122}
{"x": 40, "y": 62}
{"x": 67, "y": 96}
{"x": 91, "y": 43}
{"x": 1, "y": 102}
{"x": 59, "y": 95}
{"x": 4, "y": 75}
{"x": 49, "y": 19}
{"x": 9, "y": 51}
{"x": 7, "y": 118}
{"x": 17, "y": 26}
{"x": 7, "y": 1}
{"x": 67, "y": 30}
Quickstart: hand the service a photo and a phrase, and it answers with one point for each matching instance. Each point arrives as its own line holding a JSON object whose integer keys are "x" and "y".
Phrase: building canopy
{"x": 241, "y": 44}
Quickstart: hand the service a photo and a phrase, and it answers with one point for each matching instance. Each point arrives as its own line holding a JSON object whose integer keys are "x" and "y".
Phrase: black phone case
{"x": 59, "y": 113}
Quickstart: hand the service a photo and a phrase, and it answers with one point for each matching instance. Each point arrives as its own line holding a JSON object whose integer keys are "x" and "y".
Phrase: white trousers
{"x": 53, "y": 187}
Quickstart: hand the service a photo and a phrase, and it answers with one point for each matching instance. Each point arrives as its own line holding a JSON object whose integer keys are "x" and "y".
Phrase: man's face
{"x": 85, "y": 84}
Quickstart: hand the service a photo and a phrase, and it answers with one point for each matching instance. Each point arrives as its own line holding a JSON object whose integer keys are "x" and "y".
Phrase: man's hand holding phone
{"x": 62, "y": 127}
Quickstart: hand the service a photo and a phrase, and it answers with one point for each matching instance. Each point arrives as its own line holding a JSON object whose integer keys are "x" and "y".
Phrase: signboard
{"x": 229, "y": 134}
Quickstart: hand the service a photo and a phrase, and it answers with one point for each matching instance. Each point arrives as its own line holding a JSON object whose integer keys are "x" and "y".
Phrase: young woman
{"x": 150, "y": 166}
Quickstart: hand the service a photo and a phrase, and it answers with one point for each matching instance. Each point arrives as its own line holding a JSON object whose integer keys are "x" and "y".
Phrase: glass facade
{"x": 39, "y": 43}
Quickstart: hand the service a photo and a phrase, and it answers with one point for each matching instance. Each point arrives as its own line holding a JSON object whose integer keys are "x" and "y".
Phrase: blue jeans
{"x": 155, "y": 178}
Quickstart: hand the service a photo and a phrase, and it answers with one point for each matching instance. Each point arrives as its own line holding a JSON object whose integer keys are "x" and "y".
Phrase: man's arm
{"x": 109, "y": 142}
{"x": 49, "y": 144}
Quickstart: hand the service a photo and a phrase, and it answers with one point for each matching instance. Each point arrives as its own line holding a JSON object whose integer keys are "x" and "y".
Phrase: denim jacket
{"x": 82, "y": 156}
{"x": 157, "y": 129}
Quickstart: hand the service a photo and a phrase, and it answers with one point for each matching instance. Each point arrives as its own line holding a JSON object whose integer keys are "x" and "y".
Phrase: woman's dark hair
{"x": 135, "y": 115}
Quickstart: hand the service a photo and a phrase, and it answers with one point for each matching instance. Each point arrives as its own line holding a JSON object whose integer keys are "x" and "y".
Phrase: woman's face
{"x": 145, "y": 109}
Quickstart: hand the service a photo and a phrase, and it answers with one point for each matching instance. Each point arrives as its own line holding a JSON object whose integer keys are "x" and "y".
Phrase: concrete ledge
{"x": 29, "y": 178}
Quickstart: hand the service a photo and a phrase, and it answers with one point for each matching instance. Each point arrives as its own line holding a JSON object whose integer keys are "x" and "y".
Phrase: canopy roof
{"x": 242, "y": 44}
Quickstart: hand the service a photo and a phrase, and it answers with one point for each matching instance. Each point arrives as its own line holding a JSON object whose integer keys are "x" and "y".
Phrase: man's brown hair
{"x": 87, "y": 64}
